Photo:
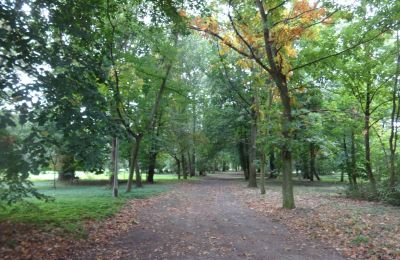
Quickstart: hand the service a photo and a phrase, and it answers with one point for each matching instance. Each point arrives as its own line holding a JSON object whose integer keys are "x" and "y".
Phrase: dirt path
{"x": 202, "y": 220}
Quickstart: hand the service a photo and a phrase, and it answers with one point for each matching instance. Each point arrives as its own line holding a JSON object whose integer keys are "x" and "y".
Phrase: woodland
{"x": 112, "y": 109}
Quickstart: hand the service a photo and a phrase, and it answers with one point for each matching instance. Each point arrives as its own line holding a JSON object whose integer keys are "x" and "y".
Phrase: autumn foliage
{"x": 243, "y": 30}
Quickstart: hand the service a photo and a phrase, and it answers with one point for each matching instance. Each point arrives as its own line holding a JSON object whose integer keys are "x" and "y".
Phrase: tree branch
{"x": 117, "y": 93}
{"x": 233, "y": 85}
{"x": 341, "y": 52}
{"x": 216, "y": 35}
{"x": 276, "y": 7}
{"x": 379, "y": 105}
{"x": 258, "y": 61}
{"x": 288, "y": 19}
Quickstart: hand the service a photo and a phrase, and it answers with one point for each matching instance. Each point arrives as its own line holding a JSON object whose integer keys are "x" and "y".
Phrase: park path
{"x": 203, "y": 220}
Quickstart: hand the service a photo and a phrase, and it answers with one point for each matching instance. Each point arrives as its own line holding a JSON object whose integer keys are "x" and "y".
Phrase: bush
{"x": 362, "y": 192}
{"x": 390, "y": 195}
{"x": 385, "y": 193}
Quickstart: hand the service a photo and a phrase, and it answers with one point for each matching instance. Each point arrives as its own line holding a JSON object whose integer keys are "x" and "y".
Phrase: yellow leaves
{"x": 261, "y": 113}
{"x": 254, "y": 106}
{"x": 284, "y": 34}
{"x": 290, "y": 51}
{"x": 301, "y": 6}
{"x": 205, "y": 24}
{"x": 223, "y": 50}
{"x": 182, "y": 13}
{"x": 293, "y": 101}
{"x": 250, "y": 39}
{"x": 285, "y": 68}
{"x": 302, "y": 89}
{"x": 297, "y": 23}
{"x": 306, "y": 11}
{"x": 276, "y": 96}
{"x": 245, "y": 63}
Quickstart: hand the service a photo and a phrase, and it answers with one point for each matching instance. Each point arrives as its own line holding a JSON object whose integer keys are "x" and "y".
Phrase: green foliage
{"x": 390, "y": 195}
{"x": 14, "y": 172}
{"x": 360, "y": 239}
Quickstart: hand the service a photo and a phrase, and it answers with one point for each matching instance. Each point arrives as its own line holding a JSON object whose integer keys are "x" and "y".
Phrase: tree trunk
{"x": 184, "y": 168}
{"x": 305, "y": 165}
{"x": 67, "y": 168}
{"x": 272, "y": 167}
{"x": 313, "y": 171}
{"x": 262, "y": 173}
{"x": 243, "y": 159}
{"x": 193, "y": 168}
{"x": 154, "y": 148}
{"x": 393, "y": 123}
{"x": 138, "y": 176}
{"x": 178, "y": 167}
{"x": 368, "y": 163}
{"x": 133, "y": 161}
{"x": 115, "y": 166}
{"x": 189, "y": 165}
{"x": 353, "y": 151}
{"x": 347, "y": 162}
{"x": 279, "y": 78}
{"x": 152, "y": 166}
{"x": 252, "y": 152}
{"x": 247, "y": 171}
{"x": 287, "y": 182}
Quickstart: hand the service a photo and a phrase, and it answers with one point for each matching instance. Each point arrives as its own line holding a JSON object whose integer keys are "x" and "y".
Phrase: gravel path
{"x": 203, "y": 220}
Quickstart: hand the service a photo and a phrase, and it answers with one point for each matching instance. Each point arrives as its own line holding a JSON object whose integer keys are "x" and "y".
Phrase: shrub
{"x": 361, "y": 191}
{"x": 390, "y": 195}
{"x": 385, "y": 193}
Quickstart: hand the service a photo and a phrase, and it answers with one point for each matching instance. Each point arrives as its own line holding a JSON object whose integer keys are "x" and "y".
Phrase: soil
{"x": 204, "y": 220}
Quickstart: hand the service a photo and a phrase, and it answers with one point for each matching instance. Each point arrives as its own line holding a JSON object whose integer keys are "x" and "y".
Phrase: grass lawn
{"x": 123, "y": 175}
{"x": 89, "y": 200}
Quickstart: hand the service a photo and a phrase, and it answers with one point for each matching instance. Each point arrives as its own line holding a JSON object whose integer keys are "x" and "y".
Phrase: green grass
{"x": 123, "y": 175}
{"x": 360, "y": 239}
{"x": 73, "y": 204}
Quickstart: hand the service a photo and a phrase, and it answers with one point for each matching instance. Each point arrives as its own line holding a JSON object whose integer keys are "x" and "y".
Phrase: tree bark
{"x": 313, "y": 171}
{"x": 305, "y": 165}
{"x": 193, "y": 168}
{"x": 252, "y": 152}
{"x": 394, "y": 119}
{"x": 279, "y": 78}
{"x": 347, "y": 162}
{"x": 154, "y": 148}
{"x": 189, "y": 165}
{"x": 152, "y": 166}
{"x": 133, "y": 161}
{"x": 115, "y": 166}
{"x": 272, "y": 167}
{"x": 138, "y": 176}
{"x": 184, "y": 168}
{"x": 178, "y": 167}
{"x": 262, "y": 173}
{"x": 193, "y": 161}
{"x": 353, "y": 152}
{"x": 287, "y": 182}
{"x": 67, "y": 168}
{"x": 368, "y": 163}
{"x": 243, "y": 157}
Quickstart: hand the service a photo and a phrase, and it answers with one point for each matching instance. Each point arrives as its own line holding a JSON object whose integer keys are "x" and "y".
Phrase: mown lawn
{"x": 73, "y": 204}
